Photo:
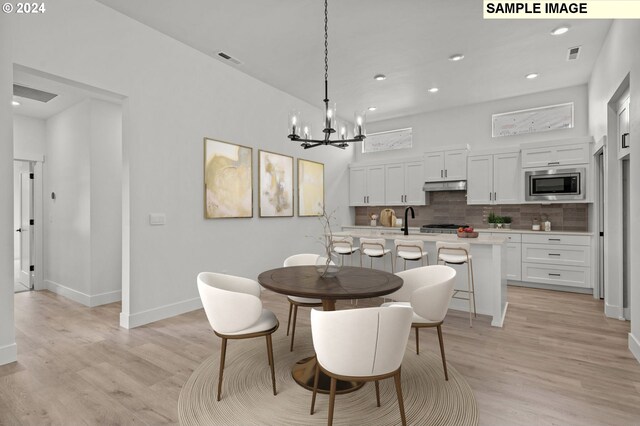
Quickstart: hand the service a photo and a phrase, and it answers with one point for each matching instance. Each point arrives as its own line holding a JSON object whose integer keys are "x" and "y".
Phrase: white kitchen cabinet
{"x": 446, "y": 165}
{"x": 556, "y": 155}
{"x": 557, "y": 259}
{"x": 494, "y": 179}
{"x": 367, "y": 185}
{"x": 403, "y": 184}
{"x": 513, "y": 247}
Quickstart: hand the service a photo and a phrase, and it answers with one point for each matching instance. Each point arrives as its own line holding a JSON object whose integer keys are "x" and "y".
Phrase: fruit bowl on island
{"x": 467, "y": 232}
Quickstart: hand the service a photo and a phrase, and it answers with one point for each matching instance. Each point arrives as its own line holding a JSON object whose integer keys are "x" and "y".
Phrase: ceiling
{"x": 280, "y": 42}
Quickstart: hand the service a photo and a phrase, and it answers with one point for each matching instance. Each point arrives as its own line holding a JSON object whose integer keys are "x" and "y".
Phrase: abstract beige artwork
{"x": 276, "y": 184}
{"x": 310, "y": 188}
{"x": 228, "y": 182}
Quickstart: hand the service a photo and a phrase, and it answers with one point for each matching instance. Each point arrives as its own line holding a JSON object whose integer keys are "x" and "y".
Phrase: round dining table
{"x": 350, "y": 283}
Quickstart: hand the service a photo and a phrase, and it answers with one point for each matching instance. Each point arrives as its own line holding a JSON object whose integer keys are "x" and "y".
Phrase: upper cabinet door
{"x": 357, "y": 186}
{"x": 375, "y": 186}
{"x": 455, "y": 164}
{"x": 480, "y": 179}
{"x": 394, "y": 184}
{"x": 507, "y": 178}
{"x": 559, "y": 155}
{"x": 434, "y": 166}
{"x": 413, "y": 182}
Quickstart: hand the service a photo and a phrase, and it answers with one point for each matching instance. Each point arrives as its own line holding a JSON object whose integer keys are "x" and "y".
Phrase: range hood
{"x": 452, "y": 185}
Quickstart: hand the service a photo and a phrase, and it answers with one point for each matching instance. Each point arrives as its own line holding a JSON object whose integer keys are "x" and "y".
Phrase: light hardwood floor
{"x": 557, "y": 361}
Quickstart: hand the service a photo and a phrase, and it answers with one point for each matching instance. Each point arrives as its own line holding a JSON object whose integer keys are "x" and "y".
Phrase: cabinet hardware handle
{"x": 441, "y": 173}
{"x": 554, "y": 239}
{"x": 445, "y": 172}
{"x": 553, "y": 163}
{"x": 554, "y": 254}
{"x": 495, "y": 197}
{"x": 553, "y": 275}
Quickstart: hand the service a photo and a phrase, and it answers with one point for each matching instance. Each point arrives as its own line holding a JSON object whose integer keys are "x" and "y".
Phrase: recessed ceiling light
{"x": 560, "y": 30}
{"x": 379, "y": 77}
{"x": 532, "y": 75}
{"x": 433, "y": 90}
{"x": 15, "y": 103}
{"x": 372, "y": 108}
{"x": 456, "y": 57}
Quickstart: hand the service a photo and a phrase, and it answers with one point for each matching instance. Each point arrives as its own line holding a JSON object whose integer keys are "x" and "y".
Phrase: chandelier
{"x": 301, "y": 132}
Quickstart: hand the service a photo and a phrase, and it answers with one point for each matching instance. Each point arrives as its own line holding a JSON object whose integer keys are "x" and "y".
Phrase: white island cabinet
{"x": 489, "y": 266}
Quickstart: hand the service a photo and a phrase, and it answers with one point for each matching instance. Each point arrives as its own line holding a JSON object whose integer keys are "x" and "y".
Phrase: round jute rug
{"x": 247, "y": 397}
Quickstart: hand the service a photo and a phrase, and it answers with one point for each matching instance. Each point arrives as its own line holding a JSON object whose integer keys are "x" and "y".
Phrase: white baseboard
{"x": 614, "y": 311}
{"x": 8, "y": 354}
{"x": 83, "y": 298}
{"x": 160, "y": 313}
{"x": 634, "y": 346}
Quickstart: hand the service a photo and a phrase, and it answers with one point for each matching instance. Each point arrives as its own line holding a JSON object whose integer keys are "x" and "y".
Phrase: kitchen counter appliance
{"x": 438, "y": 228}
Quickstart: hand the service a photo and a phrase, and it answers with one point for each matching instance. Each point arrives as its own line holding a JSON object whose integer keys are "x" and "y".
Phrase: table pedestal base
{"x": 304, "y": 371}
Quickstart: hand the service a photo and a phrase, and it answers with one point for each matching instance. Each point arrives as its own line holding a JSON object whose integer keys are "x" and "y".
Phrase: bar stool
{"x": 344, "y": 247}
{"x": 411, "y": 250}
{"x": 458, "y": 254}
{"x": 374, "y": 247}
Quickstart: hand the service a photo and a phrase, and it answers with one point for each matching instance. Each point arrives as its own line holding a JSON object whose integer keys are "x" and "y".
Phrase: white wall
{"x": 8, "y": 349}
{"x": 106, "y": 201}
{"x": 620, "y": 56}
{"x": 471, "y": 124}
{"x": 67, "y": 232}
{"x": 28, "y": 138}
{"x": 174, "y": 97}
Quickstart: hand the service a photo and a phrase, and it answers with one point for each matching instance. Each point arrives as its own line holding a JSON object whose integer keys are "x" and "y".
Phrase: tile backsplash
{"x": 451, "y": 207}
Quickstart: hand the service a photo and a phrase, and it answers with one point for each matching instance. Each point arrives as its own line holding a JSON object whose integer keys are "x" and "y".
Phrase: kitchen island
{"x": 489, "y": 266}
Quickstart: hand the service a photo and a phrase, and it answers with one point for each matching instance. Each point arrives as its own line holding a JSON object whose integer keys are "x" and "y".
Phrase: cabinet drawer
{"x": 542, "y": 238}
{"x": 556, "y": 254}
{"x": 511, "y": 238}
{"x": 559, "y": 275}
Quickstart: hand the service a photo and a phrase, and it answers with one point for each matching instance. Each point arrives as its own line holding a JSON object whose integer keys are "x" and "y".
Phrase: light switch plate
{"x": 157, "y": 219}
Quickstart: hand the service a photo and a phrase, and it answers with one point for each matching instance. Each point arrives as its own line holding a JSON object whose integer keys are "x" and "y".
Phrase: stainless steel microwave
{"x": 555, "y": 184}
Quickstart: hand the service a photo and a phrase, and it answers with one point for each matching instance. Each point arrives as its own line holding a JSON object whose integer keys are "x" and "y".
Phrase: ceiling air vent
{"x": 229, "y": 58}
{"x": 573, "y": 53}
{"x": 35, "y": 94}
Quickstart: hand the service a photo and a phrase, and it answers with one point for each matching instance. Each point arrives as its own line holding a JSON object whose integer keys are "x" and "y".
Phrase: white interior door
{"x": 26, "y": 229}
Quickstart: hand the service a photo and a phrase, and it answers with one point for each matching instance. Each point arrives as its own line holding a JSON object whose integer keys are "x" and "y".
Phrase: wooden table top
{"x": 350, "y": 283}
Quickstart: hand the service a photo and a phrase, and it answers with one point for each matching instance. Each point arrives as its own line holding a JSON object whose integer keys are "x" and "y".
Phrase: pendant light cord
{"x": 326, "y": 52}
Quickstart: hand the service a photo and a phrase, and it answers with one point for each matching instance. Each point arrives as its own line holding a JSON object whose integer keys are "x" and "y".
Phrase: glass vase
{"x": 328, "y": 266}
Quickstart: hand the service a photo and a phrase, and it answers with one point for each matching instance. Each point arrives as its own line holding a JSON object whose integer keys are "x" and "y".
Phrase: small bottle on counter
{"x": 535, "y": 224}
{"x": 547, "y": 225}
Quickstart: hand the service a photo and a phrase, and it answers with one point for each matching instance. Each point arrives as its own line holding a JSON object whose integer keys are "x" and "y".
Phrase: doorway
{"x": 23, "y": 247}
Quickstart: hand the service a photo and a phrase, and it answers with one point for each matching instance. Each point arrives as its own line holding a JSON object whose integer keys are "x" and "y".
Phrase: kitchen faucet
{"x": 406, "y": 219}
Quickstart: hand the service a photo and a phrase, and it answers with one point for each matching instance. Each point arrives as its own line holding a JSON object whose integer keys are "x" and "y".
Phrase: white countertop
{"x": 415, "y": 230}
{"x": 392, "y": 234}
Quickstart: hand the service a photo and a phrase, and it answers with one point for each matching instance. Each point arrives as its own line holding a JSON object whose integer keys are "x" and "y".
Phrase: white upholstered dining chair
{"x": 360, "y": 345}
{"x": 428, "y": 291}
{"x": 234, "y": 310}
{"x": 295, "y": 301}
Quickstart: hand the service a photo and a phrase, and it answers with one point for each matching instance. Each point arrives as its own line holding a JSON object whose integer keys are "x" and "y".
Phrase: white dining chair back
{"x": 431, "y": 301}
{"x": 231, "y": 303}
{"x": 361, "y": 342}
{"x": 301, "y": 259}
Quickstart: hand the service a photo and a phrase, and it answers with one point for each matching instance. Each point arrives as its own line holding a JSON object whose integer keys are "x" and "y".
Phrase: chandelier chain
{"x": 326, "y": 42}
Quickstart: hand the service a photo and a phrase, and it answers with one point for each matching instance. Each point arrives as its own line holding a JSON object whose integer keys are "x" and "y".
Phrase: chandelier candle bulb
{"x": 294, "y": 127}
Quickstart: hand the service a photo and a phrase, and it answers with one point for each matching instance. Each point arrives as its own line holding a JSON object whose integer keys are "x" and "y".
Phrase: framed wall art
{"x": 310, "y": 188}
{"x": 275, "y": 176}
{"x": 228, "y": 180}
